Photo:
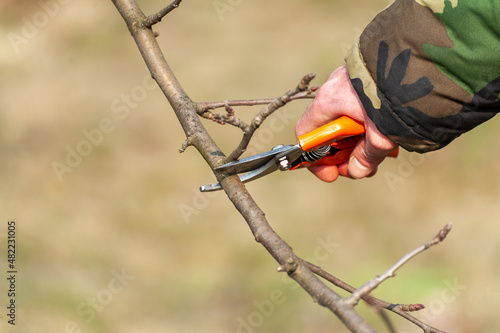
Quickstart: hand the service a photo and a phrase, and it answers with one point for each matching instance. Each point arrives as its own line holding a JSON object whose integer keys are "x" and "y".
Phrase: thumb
{"x": 368, "y": 154}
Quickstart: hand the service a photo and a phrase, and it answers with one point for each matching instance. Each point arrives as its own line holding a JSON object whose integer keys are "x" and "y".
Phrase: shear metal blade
{"x": 266, "y": 169}
{"x": 250, "y": 163}
{"x": 256, "y": 166}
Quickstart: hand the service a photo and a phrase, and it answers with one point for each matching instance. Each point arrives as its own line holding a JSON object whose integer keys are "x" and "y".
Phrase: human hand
{"x": 338, "y": 98}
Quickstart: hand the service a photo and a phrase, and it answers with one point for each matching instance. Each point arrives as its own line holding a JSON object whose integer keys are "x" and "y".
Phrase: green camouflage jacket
{"x": 427, "y": 71}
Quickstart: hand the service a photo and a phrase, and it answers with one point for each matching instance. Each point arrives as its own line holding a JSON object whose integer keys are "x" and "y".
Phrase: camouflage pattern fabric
{"x": 427, "y": 71}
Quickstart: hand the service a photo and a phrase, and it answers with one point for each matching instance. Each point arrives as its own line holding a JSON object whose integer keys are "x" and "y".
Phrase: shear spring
{"x": 317, "y": 154}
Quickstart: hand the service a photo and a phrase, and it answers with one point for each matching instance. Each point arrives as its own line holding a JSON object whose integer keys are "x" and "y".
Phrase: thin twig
{"x": 202, "y": 107}
{"x": 228, "y": 118}
{"x": 258, "y": 119}
{"x": 155, "y": 18}
{"x": 302, "y": 91}
{"x": 400, "y": 309}
{"x": 391, "y": 272}
{"x": 185, "y": 145}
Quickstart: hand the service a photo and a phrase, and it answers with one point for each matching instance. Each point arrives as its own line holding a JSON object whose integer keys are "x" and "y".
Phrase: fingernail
{"x": 357, "y": 170}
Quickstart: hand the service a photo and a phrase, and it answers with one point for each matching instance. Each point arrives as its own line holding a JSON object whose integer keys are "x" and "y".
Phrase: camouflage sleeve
{"x": 427, "y": 71}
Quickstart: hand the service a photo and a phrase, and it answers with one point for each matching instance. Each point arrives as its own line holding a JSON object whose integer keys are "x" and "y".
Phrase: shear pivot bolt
{"x": 283, "y": 164}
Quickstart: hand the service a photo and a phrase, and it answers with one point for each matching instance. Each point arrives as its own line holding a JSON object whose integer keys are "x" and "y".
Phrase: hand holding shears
{"x": 329, "y": 144}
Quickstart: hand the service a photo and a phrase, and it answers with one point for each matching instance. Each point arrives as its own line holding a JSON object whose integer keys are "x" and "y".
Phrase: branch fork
{"x": 289, "y": 267}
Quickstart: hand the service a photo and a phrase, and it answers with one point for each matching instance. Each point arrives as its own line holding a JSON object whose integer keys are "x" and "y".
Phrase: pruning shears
{"x": 330, "y": 144}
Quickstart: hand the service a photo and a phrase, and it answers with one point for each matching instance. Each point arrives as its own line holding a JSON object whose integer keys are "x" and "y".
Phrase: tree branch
{"x": 185, "y": 111}
{"x": 289, "y": 262}
{"x": 275, "y": 104}
{"x": 202, "y": 107}
{"x": 228, "y": 118}
{"x": 301, "y": 91}
{"x": 400, "y": 309}
{"x": 391, "y": 272}
{"x": 184, "y": 108}
{"x": 155, "y": 18}
{"x": 188, "y": 113}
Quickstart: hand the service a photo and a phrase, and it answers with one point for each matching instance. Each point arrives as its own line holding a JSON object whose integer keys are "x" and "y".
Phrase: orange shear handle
{"x": 336, "y": 133}
{"x": 338, "y": 129}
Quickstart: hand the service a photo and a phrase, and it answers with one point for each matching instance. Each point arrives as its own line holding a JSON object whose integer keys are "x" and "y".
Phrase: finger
{"x": 327, "y": 173}
{"x": 344, "y": 171}
{"x": 358, "y": 170}
{"x": 368, "y": 154}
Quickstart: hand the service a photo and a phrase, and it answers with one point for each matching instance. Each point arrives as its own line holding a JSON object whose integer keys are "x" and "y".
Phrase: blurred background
{"x": 112, "y": 233}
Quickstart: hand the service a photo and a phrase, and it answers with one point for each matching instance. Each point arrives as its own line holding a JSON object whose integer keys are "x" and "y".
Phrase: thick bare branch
{"x": 289, "y": 262}
{"x": 186, "y": 112}
{"x": 155, "y": 18}
{"x": 182, "y": 105}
